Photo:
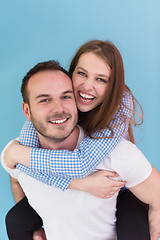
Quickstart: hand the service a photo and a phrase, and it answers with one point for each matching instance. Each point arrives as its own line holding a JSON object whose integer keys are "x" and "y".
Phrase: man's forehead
{"x": 50, "y": 77}
{"x": 50, "y": 83}
{"x": 50, "y": 72}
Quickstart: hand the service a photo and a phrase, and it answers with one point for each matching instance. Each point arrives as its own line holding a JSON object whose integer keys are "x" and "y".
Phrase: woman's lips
{"x": 85, "y": 97}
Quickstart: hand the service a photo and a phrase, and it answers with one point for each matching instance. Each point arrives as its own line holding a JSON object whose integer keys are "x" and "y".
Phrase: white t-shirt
{"x": 76, "y": 215}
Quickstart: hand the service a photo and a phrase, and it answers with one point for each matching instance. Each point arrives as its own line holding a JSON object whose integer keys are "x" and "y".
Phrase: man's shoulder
{"x": 124, "y": 147}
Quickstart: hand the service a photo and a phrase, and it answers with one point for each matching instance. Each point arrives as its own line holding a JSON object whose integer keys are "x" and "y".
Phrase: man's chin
{"x": 56, "y": 138}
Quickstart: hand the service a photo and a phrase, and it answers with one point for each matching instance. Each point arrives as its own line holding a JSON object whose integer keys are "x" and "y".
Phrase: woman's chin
{"x": 85, "y": 108}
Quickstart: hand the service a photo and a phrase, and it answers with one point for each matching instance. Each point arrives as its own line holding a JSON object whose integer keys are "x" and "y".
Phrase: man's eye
{"x": 66, "y": 97}
{"x": 82, "y": 74}
{"x": 44, "y": 100}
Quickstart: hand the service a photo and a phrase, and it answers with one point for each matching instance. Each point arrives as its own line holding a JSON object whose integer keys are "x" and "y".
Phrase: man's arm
{"x": 18, "y": 196}
{"x": 16, "y": 190}
{"x": 149, "y": 192}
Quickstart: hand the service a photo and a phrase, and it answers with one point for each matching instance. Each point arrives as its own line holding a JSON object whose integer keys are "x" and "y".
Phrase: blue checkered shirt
{"x": 59, "y": 167}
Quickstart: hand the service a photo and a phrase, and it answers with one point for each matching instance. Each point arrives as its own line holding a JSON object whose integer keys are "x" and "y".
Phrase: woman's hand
{"x": 16, "y": 153}
{"x": 99, "y": 184}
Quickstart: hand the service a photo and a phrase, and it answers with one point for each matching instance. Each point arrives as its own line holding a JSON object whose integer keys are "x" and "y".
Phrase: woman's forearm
{"x": 16, "y": 153}
{"x": 98, "y": 184}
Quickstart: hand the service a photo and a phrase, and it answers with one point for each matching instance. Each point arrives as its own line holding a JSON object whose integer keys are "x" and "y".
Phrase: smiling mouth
{"x": 59, "y": 121}
{"x": 86, "y": 97}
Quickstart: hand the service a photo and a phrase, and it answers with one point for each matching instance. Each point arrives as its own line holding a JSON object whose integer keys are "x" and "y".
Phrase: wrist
{"x": 77, "y": 184}
{"x": 21, "y": 155}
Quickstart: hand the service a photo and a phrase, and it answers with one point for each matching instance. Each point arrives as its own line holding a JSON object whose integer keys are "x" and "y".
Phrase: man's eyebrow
{"x": 68, "y": 91}
{"x": 42, "y": 95}
{"x": 48, "y": 95}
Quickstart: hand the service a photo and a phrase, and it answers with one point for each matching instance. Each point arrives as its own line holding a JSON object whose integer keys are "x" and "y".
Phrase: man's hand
{"x": 99, "y": 184}
{"x": 39, "y": 234}
{"x": 154, "y": 224}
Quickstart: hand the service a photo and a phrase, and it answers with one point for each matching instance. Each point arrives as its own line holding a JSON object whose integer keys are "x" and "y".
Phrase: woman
{"x": 93, "y": 100}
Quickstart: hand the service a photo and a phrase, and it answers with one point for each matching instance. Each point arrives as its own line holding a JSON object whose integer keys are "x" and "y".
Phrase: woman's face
{"x": 90, "y": 81}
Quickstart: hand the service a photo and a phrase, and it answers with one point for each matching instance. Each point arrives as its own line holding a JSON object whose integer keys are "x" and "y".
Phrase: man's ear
{"x": 26, "y": 110}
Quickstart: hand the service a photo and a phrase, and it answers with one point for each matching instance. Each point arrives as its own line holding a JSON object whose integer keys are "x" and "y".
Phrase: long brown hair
{"x": 100, "y": 117}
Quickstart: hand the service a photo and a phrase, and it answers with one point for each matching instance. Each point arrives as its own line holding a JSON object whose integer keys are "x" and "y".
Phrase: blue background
{"x": 34, "y": 31}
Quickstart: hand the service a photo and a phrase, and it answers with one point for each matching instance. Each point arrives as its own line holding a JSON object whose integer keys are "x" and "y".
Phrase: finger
{"x": 118, "y": 183}
{"x": 110, "y": 174}
{"x": 109, "y": 195}
{"x": 112, "y": 193}
{"x": 116, "y": 189}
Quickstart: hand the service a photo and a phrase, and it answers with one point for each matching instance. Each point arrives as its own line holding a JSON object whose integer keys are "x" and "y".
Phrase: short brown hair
{"x": 47, "y": 65}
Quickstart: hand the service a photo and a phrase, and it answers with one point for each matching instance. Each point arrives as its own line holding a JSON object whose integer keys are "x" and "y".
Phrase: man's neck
{"x": 69, "y": 143}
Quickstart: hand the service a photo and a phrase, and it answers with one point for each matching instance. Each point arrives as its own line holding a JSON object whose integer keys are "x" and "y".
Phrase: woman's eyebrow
{"x": 81, "y": 68}
{"x": 103, "y": 75}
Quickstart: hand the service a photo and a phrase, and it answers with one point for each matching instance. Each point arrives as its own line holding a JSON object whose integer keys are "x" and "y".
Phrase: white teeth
{"x": 86, "y": 100}
{"x": 59, "y": 121}
{"x": 86, "y": 96}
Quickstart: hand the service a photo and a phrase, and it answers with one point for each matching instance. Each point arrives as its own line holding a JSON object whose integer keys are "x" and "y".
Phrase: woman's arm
{"x": 149, "y": 192}
{"x": 54, "y": 180}
{"x": 75, "y": 164}
{"x": 98, "y": 184}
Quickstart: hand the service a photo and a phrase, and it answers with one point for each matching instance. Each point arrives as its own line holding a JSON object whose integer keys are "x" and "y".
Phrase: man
{"x": 72, "y": 214}
{"x": 50, "y": 104}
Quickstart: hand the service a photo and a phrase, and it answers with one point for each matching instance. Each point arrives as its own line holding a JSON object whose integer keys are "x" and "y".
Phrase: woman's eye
{"x": 102, "y": 80}
{"x": 82, "y": 74}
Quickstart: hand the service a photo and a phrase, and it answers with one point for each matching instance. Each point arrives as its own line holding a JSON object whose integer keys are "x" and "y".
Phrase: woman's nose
{"x": 88, "y": 84}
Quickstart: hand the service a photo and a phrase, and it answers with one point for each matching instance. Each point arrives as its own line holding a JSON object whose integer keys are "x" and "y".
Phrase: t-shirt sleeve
{"x": 13, "y": 172}
{"x": 130, "y": 163}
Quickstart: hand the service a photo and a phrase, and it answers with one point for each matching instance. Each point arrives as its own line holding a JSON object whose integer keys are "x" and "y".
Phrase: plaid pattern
{"x": 54, "y": 180}
{"x": 58, "y": 167}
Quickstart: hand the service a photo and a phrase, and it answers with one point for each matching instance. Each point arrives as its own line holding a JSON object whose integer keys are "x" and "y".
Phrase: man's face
{"x": 52, "y": 107}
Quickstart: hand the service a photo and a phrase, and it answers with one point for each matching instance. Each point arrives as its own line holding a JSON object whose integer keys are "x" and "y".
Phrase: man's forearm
{"x": 149, "y": 192}
{"x": 154, "y": 223}
{"x": 17, "y": 190}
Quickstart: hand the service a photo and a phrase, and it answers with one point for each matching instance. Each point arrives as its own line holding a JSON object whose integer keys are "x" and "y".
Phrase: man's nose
{"x": 57, "y": 106}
